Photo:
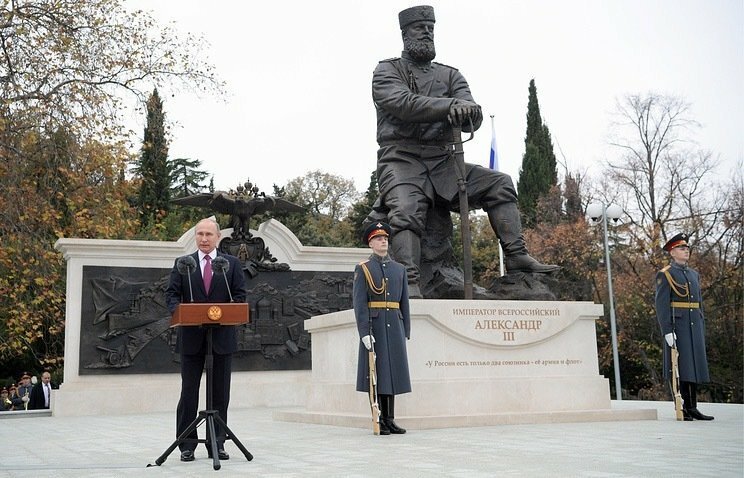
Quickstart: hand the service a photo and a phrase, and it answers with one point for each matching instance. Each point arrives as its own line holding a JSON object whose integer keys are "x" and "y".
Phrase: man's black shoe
{"x": 187, "y": 455}
{"x": 695, "y": 413}
{"x": 394, "y": 428}
{"x": 221, "y": 454}
{"x": 384, "y": 430}
{"x": 686, "y": 415}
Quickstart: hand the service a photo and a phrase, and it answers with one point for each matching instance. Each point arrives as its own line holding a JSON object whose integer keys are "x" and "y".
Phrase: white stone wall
{"x": 138, "y": 393}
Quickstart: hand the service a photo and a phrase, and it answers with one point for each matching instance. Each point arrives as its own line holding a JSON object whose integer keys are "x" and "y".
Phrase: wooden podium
{"x": 194, "y": 314}
{"x": 210, "y": 316}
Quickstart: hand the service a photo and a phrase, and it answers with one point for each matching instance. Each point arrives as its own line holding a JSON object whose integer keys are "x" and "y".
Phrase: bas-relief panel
{"x": 125, "y": 324}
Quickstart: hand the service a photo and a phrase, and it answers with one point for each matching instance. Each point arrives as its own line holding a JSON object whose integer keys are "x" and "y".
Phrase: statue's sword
{"x": 459, "y": 158}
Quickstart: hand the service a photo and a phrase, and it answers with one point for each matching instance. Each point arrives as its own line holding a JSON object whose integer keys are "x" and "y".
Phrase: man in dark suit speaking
{"x": 196, "y": 282}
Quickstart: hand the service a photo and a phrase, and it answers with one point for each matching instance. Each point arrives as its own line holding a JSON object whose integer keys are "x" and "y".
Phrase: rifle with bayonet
{"x": 674, "y": 356}
{"x": 675, "y": 383}
{"x": 373, "y": 403}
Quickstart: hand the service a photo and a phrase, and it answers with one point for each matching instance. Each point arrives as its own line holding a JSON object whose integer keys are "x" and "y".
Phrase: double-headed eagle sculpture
{"x": 241, "y": 204}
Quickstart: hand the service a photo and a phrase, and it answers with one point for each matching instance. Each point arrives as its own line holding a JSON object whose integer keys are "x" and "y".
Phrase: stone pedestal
{"x": 472, "y": 363}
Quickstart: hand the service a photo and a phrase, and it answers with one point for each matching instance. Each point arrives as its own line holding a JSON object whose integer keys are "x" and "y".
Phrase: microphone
{"x": 220, "y": 264}
{"x": 185, "y": 265}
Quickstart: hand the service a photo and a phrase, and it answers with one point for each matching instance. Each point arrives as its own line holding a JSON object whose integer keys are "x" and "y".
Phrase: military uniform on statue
{"x": 679, "y": 310}
{"x": 384, "y": 323}
{"x": 192, "y": 341}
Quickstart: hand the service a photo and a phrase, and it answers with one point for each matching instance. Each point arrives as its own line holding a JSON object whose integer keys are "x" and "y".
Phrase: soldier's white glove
{"x": 368, "y": 340}
{"x": 671, "y": 338}
{"x": 25, "y": 398}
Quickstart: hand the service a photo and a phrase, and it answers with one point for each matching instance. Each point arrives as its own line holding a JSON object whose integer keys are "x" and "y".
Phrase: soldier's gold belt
{"x": 381, "y": 304}
{"x": 686, "y": 305}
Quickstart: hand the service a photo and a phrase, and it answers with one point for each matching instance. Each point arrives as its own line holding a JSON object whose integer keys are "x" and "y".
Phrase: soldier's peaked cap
{"x": 676, "y": 241}
{"x": 375, "y": 229}
{"x": 416, "y": 14}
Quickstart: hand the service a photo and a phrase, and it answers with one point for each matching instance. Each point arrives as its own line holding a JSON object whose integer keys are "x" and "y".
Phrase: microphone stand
{"x": 222, "y": 264}
{"x": 228, "y": 285}
{"x": 191, "y": 289}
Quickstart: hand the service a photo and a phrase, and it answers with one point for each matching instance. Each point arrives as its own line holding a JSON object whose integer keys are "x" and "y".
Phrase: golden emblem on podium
{"x": 214, "y": 313}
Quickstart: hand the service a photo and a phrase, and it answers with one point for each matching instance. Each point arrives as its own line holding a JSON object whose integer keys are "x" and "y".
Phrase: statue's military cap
{"x": 375, "y": 229}
{"x": 416, "y": 14}
{"x": 676, "y": 241}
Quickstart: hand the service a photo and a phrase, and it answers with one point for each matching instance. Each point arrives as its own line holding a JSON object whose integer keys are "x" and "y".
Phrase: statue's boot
{"x": 406, "y": 249}
{"x": 507, "y": 225}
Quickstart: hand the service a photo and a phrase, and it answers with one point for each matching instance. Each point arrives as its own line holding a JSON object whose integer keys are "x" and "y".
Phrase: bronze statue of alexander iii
{"x": 417, "y": 102}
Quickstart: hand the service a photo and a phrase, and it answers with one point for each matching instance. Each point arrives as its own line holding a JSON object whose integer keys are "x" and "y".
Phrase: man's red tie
{"x": 207, "y": 273}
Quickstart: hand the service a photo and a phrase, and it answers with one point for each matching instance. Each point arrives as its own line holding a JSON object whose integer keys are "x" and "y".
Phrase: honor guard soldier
{"x": 384, "y": 324}
{"x": 679, "y": 310}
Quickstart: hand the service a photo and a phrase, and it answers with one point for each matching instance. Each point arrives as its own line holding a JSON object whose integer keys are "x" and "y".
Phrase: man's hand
{"x": 460, "y": 111}
{"x": 368, "y": 340}
{"x": 25, "y": 398}
{"x": 671, "y": 338}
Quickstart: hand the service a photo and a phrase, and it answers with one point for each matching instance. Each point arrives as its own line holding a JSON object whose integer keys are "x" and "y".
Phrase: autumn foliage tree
{"x": 663, "y": 181}
{"x": 68, "y": 189}
{"x": 327, "y": 199}
{"x": 67, "y": 70}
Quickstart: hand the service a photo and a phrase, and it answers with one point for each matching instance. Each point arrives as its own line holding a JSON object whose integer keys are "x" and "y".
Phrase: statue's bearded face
{"x": 418, "y": 41}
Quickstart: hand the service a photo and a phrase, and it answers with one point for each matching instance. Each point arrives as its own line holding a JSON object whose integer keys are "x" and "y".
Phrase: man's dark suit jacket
{"x": 191, "y": 339}
{"x": 36, "y": 399}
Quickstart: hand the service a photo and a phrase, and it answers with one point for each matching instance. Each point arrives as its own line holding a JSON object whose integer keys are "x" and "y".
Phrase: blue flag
{"x": 494, "y": 162}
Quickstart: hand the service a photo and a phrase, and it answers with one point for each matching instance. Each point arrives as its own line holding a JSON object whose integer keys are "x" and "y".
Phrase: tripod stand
{"x": 209, "y": 416}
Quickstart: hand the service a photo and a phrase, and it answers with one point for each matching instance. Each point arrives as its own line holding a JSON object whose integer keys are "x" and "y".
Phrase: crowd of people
{"x": 29, "y": 393}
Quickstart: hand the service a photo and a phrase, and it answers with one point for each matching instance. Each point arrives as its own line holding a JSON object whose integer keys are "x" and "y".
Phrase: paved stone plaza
{"x": 122, "y": 446}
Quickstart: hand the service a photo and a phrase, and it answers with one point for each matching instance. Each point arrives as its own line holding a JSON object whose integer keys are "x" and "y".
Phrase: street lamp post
{"x": 600, "y": 213}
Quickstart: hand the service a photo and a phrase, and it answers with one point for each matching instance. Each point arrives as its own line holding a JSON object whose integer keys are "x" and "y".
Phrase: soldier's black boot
{"x": 394, "y": 428}
{"x": 507, "y": 225}
{"x": 684, "y": 391}
{"x": 406, "y": 248}
{"x": 693, "y": 411}
{"x": 382, "y": 401}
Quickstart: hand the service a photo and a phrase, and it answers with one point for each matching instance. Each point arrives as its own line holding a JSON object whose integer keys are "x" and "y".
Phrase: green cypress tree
{"x": 153, "y": 168}
{"x": 361, "y": 209}
{"x": 538, "y": 172}
{"x": 186, "y": 177}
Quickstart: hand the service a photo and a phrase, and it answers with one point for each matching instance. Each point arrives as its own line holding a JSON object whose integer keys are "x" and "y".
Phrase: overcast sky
{"x": 298, "y": 76}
